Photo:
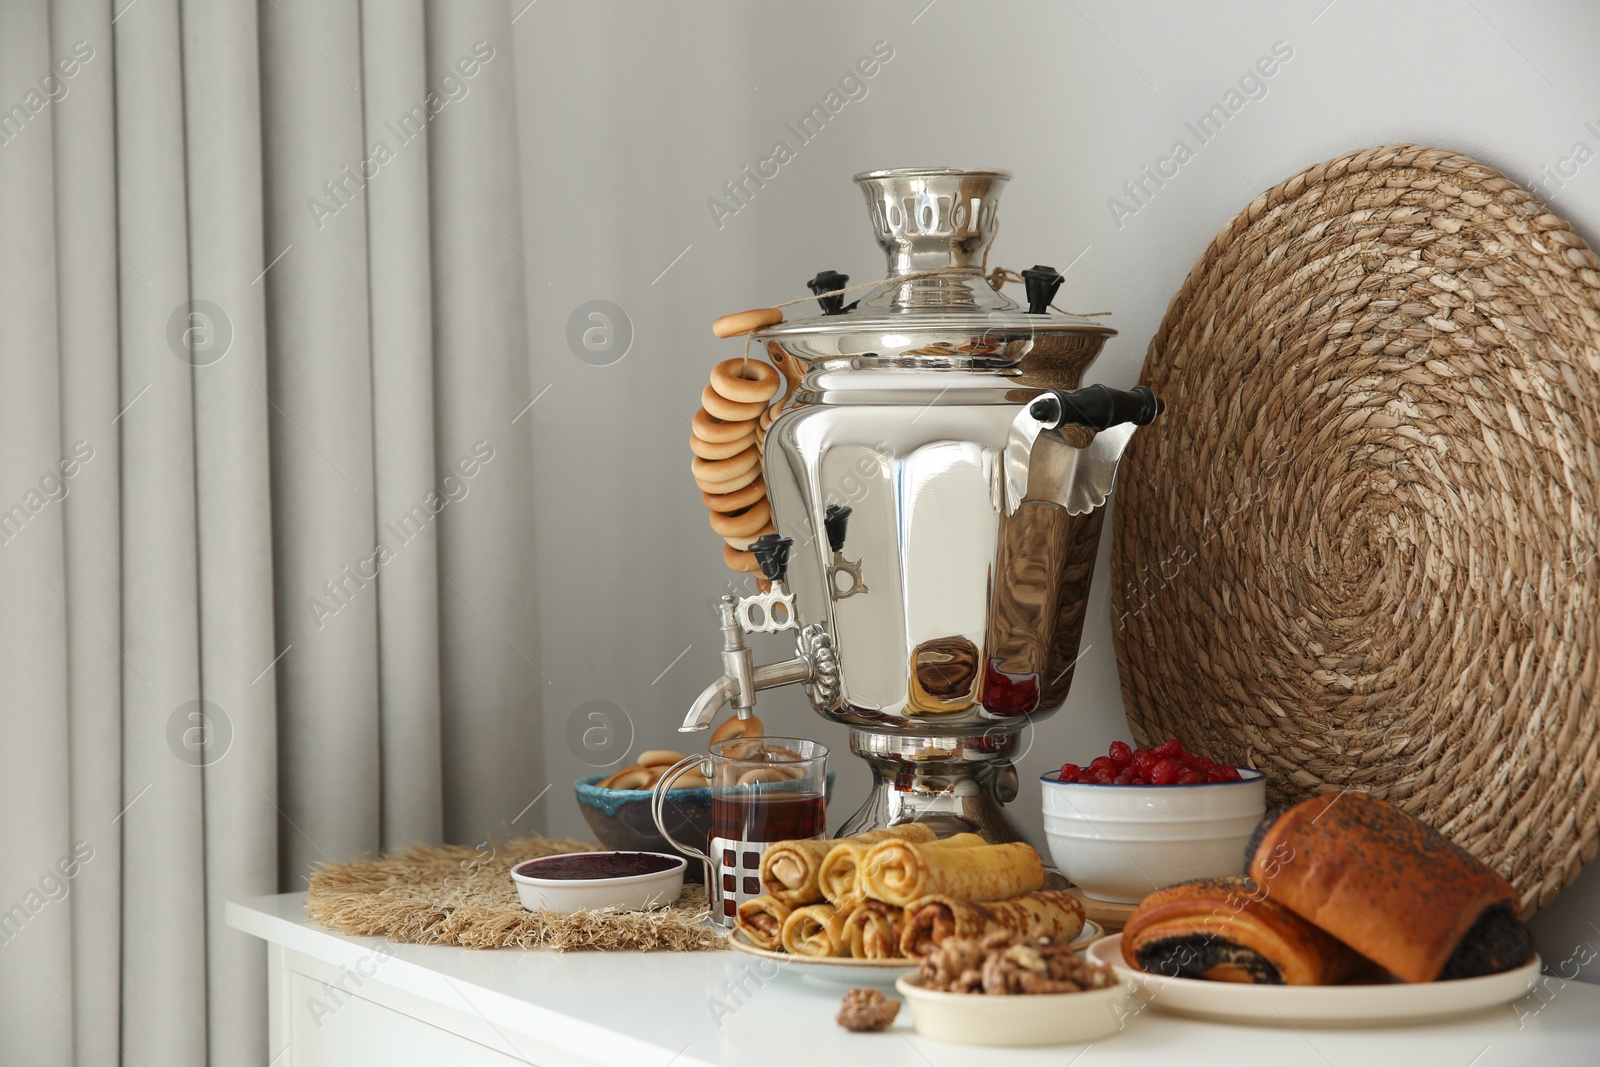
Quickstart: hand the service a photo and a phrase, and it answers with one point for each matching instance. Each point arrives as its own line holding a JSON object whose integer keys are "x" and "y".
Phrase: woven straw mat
{"x": 1359, "y": 548}
{"x": 457, "y": 895}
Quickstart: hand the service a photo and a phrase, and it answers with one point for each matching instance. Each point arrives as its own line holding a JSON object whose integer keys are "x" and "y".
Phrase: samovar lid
{"x": 935, "y": 225}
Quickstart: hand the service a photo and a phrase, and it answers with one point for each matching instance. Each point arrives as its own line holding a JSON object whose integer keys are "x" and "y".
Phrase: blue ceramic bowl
{"x": 621, "y": 820}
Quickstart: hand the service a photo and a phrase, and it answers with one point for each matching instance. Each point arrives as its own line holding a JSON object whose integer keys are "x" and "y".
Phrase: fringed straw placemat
{"x": 463, "y": 896}
{"x": 1359, "y": 550}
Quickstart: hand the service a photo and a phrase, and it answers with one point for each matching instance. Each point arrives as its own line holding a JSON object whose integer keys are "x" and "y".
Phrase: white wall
{"x": 634, "y": 114}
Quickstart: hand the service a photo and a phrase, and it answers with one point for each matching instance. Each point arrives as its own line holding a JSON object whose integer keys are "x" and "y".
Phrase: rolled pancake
{"x": 816, "y": 930}
{"x": 930, "y": 921}
{"x": 898, "y": 872}
{"x": 789, "y": 871}
{"x": 761, "y": 919}
{"x": 840, "y": 874}
{"x": 873, "y": 930}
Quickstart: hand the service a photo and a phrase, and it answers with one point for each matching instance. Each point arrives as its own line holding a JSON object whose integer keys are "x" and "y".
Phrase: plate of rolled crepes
{"x": 1351, "y": 912}
{"x": 882, "y": 900}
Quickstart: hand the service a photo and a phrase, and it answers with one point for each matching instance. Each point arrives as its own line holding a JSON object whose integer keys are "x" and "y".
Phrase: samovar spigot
{"x": 815, "y": 665}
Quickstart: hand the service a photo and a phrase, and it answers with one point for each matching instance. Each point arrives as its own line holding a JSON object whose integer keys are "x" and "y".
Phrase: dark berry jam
{"x": 579, "y": 865}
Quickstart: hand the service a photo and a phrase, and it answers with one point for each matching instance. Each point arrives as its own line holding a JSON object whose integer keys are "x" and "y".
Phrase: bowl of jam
{"x": 587, "y": 881}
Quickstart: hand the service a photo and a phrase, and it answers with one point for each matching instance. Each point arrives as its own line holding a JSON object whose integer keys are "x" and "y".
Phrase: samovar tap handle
{"x": 773, "y": 611}
{"x": 844, "y": 575}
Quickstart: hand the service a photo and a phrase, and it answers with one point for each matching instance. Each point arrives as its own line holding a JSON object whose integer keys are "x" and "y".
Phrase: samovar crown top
{"x": 933, "y": 218}
{"x": 935, "y": 307}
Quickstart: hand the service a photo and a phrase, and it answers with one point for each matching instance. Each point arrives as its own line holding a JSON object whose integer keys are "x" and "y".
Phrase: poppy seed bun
{"x": 1230, "y": 930}
{"x": 1392, "y": 888}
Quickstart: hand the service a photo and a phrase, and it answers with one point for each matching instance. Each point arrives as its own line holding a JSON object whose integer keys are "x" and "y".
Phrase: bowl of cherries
{"x": 1136, "y": 819}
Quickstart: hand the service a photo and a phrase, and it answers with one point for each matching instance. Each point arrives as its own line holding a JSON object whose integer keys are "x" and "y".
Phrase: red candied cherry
{"x": 1169, "y": 749}
{"x": 1071, "y": 772}
{"x": 1231, "y": 774}
{"x": 1121, "y": 753}
{"x": 1144, "y": 759}
{"x": 1104, "y": 763}
{"x": 1187, "y": 777}
{"x": 1102, "y": 775}
{"x": 1123, "y": 779}
{"x": 1165, "y": 772}
{"x": 1217, "y": 774}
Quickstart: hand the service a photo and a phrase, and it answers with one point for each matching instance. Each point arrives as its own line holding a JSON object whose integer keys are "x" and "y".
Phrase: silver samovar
{"x": 937, "y": 486}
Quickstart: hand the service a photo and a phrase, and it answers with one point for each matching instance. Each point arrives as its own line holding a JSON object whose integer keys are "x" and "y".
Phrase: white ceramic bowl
{"x": 1030, "y": 1019}
{"x": 1121, "y": 842}
{"x": 638, "y": 892}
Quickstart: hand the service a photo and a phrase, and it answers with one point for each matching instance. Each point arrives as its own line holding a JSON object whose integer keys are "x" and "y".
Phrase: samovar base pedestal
{"x": 953, "y": 784}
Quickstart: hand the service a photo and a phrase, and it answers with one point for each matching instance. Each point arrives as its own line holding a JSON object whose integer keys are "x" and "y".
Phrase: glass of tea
{"x": 763, "y": 789}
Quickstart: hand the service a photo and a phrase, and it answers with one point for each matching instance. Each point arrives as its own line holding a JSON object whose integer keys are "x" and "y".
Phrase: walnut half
{"x": 865, "y": 1010}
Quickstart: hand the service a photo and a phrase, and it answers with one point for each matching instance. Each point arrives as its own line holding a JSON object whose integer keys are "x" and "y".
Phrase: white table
{"x": 338, "y": 1001}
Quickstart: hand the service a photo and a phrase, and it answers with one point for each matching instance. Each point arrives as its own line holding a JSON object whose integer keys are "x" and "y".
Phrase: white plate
{"x": 849, "y": 973}
{"x": 1336, "y": 1005}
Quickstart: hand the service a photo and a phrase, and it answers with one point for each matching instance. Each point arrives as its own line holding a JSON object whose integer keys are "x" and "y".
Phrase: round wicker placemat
{"x": 455, "y": 895}
{"x": 1359, "y": 550}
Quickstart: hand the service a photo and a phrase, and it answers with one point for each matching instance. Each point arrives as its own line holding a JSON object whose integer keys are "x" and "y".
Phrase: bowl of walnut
{"x": 1008, "y": 990}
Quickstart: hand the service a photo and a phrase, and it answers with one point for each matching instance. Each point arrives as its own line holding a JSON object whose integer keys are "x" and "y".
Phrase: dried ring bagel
{"x": 709, "y": 427}
{"x": 736, "y": 500}
{"x": 745, "y": 321}
{"x": 633, "y": 777}
{"x": 660, "y": 757}
{"x": 721, "y": 470}
{"x": 737, "y": 727}
{"x": 728, "y": 410}
{"x": 742, "y": 544}
{"x": 745, "y": 381}
{"x": 742, "y": 523}
{"x": 689, "y": 780}
{"x": 757, "y": 775}
{"x": 721, "y": 449}
{"x": 732, "y": 484}
{"x": 743, "y": 562}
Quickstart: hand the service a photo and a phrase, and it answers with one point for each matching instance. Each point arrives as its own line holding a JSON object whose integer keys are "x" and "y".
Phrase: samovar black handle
{"x": 1096, "y": 407}
{"x": 1041, "y": 282}
{"x": 828, "y": 281}
{"x": 772, "y": 555}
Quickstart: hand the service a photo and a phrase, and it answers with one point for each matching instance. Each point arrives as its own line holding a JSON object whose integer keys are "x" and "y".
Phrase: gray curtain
{"x": 264, "y": 492}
